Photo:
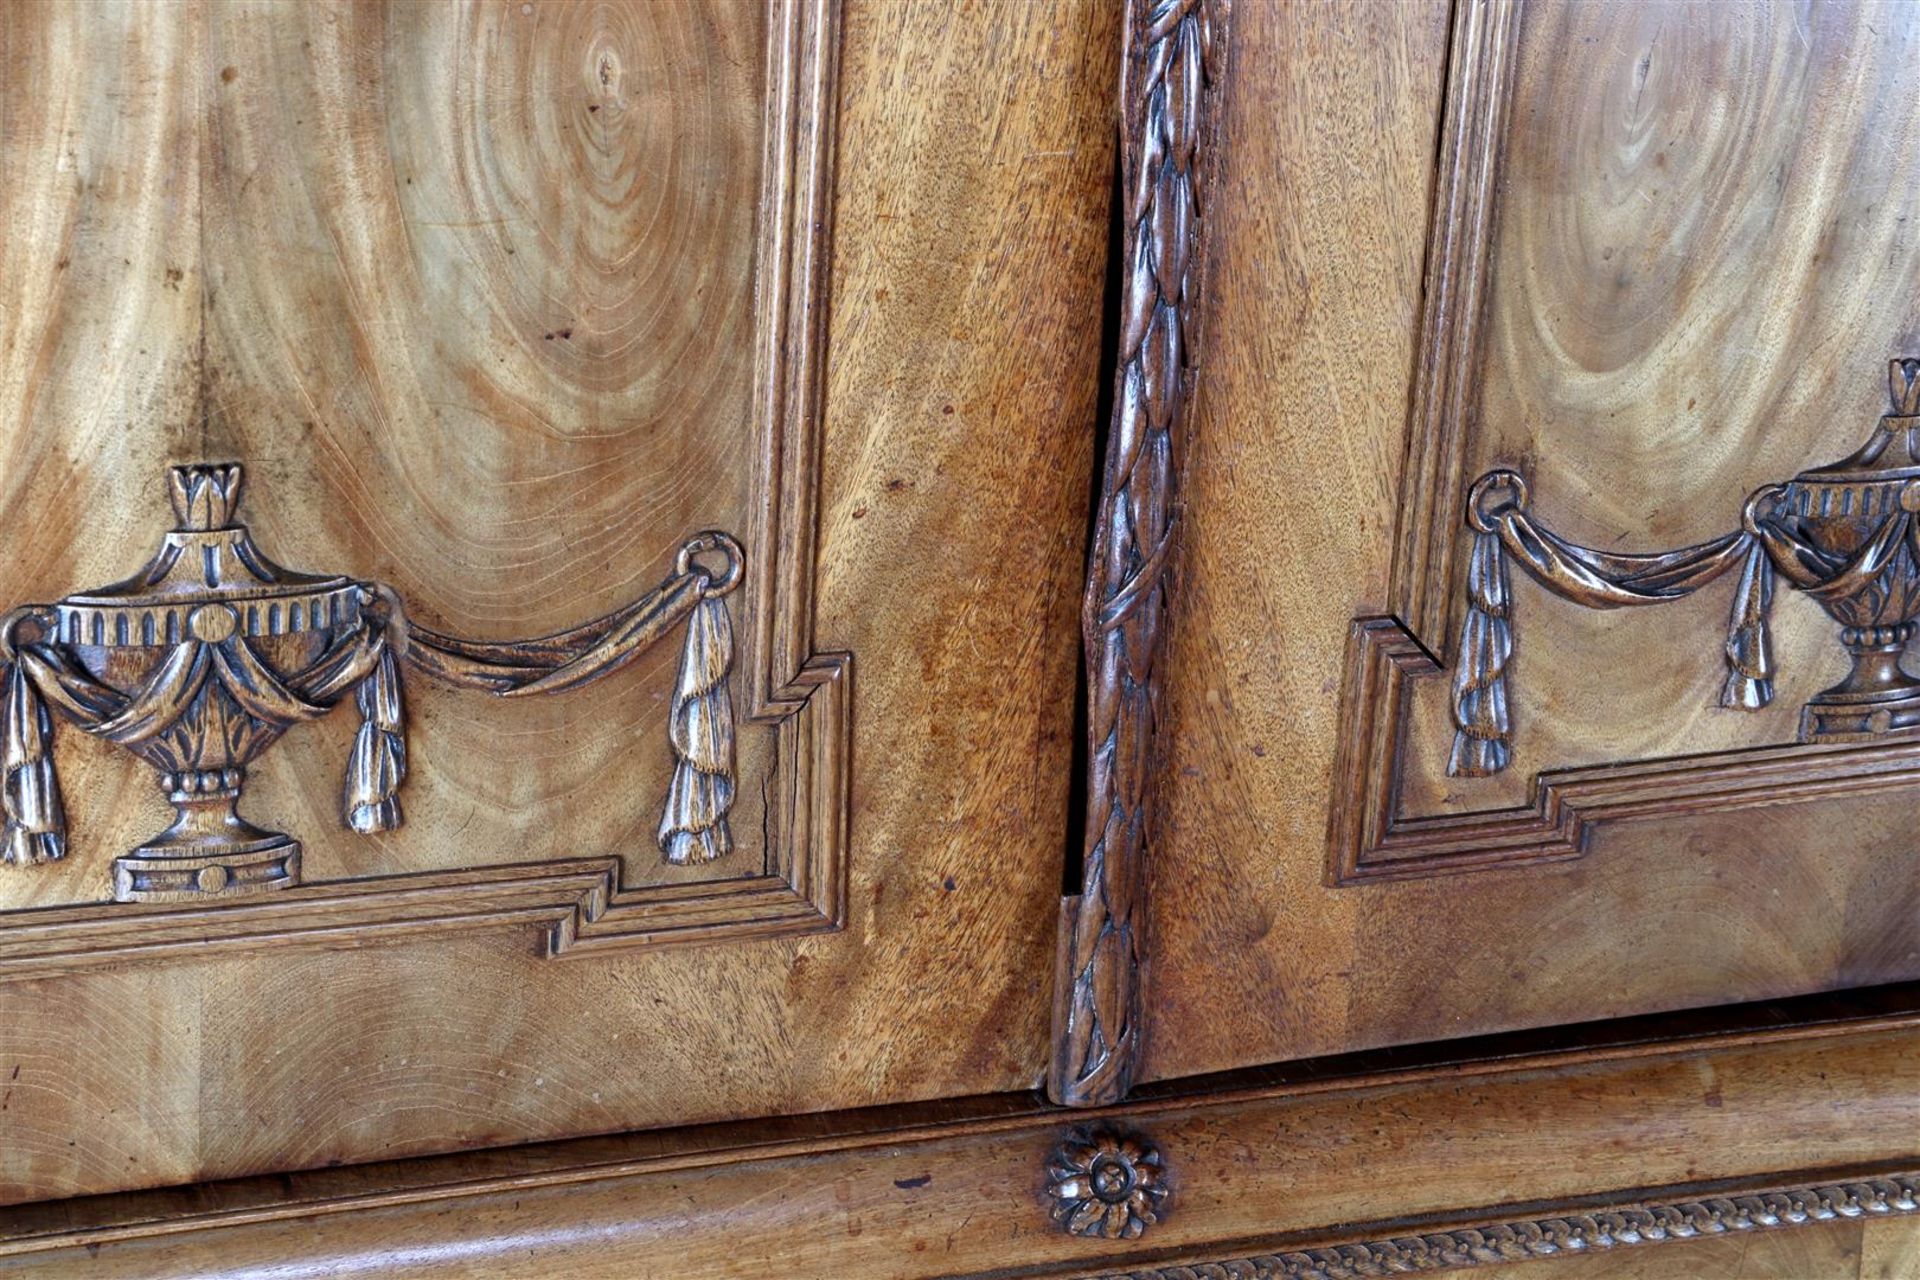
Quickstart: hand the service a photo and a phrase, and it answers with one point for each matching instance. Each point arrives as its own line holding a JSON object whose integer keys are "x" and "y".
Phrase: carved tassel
{"x": 1483, "y": 730}
{"x": 36, "y": 822}
{"x": 1749, "y": 648}
{"x": 693, "y": 828}
{"x": 379, "y": 762}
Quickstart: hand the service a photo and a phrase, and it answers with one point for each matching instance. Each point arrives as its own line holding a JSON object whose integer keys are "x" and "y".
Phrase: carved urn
{"x": 1856, "y": 517}
{"x": 202, "y": 643}
{"x": 199, "y": 662}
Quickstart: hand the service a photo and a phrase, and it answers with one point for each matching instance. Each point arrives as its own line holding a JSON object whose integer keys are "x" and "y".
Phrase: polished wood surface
{"x": 499, "y": 303}
{"x": 424, "y": 235}
{"x": 1536, "y": 260}
{"x": 1306, "y": 383}
{"x": 1271, "y": 1166}
{"x": 400, "y": 281}
{"x": 1686, "y": 301}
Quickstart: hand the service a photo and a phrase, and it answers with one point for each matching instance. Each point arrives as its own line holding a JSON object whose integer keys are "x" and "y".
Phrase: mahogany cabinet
{"x": 878, "y": 638}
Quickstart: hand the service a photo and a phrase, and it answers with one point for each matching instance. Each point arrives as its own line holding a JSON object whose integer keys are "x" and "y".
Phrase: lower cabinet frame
{"x": 1662, "y": 1128}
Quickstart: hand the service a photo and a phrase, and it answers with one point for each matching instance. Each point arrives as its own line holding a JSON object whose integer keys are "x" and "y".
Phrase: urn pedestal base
{"x": 149, "y": 874}
{"x": 210, "y": 851}
{"x": 1852, "y": 718}
{"x": 1878, "y": 699}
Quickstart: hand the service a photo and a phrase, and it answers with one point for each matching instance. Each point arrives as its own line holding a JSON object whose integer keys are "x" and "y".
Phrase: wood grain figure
{"x": 1524, "y": 311}
{"x": 756, "y": 778}
{"x": 487, "y": 298}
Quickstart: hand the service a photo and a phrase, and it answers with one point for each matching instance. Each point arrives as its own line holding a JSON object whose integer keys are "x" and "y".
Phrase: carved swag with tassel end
{"x": 1845, "y": 534}
{"x": 198, "y": 663}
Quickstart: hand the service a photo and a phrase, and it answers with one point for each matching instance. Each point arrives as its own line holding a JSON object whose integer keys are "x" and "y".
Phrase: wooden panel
{"x": 1488, "y": 251}
{"x": 480, "y": 295}
{"x": 100, "y": 314}
{"x": 1422, "y": 1167}
{"x": 380, "y": 346}
{"x": 1668, "y": 254}
{"x": 486, "y": 333}
{"x": 1306, "y": 377}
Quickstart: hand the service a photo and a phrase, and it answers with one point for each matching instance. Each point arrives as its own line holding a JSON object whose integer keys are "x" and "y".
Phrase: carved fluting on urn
{"x": 199, "y": 662}
{"x": 1847, "y": 534}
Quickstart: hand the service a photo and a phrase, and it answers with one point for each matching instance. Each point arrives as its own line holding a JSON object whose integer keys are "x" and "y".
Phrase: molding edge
{"x": 1260, "y": 1165}
{"x": 1528, "y": 1239}
{"x": 574, "y": 906}
{"x": 1370, "y": 842}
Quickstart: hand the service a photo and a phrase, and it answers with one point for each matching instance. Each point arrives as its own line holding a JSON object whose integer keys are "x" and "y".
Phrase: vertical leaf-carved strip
{"x": 1483, "y": 725}
{"x": 36, "y": 823}
{"x": 1170, "y": 77}
{"x": 1749, "y": 650}
{"x": 693, "y": 825}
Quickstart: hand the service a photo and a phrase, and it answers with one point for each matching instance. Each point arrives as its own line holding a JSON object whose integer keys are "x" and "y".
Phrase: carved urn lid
{"x": 1892, "y": 452}
{"x": 207, "y": 580}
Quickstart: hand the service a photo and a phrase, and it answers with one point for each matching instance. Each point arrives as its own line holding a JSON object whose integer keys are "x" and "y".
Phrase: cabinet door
{"x": 1650, "y": 260}
{"x": 663, "y": 711}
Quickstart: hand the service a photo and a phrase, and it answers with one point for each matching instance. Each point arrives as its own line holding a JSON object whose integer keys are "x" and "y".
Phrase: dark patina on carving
{"x": 1106, "y": 1184}
{"x": 199, "y": 662}
{"x": 1170, "y": 77}
{"x": 1845, "y": 534}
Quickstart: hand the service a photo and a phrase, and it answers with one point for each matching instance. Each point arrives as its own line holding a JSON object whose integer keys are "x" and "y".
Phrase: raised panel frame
{"x": 1368, "y": 837}
{"x": 579, "y": 906}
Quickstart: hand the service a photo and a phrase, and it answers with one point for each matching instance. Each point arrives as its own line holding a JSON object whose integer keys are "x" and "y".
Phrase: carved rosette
{"x": 1170, "y": 73}
{"x": 1106, "y": 1184}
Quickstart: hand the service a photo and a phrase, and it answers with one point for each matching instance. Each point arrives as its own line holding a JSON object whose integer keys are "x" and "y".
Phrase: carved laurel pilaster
{"x": 1171, "y": 73}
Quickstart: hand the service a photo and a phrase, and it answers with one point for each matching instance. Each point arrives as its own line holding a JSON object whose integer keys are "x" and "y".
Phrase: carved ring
{"x": 1478, "y": 515}
{"x": 1759, "y": 507}
{"x": 727, "y": 546}
{"x": 10, "y": 622}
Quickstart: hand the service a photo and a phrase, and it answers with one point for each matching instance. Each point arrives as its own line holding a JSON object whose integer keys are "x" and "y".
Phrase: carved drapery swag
{"x": 1844, "y": 534}
{"x": 693, "y": 823}
{"x": 206, "y": 694}
{"x": 1483, "y": 717}
{"x": 1170, "y": 72}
